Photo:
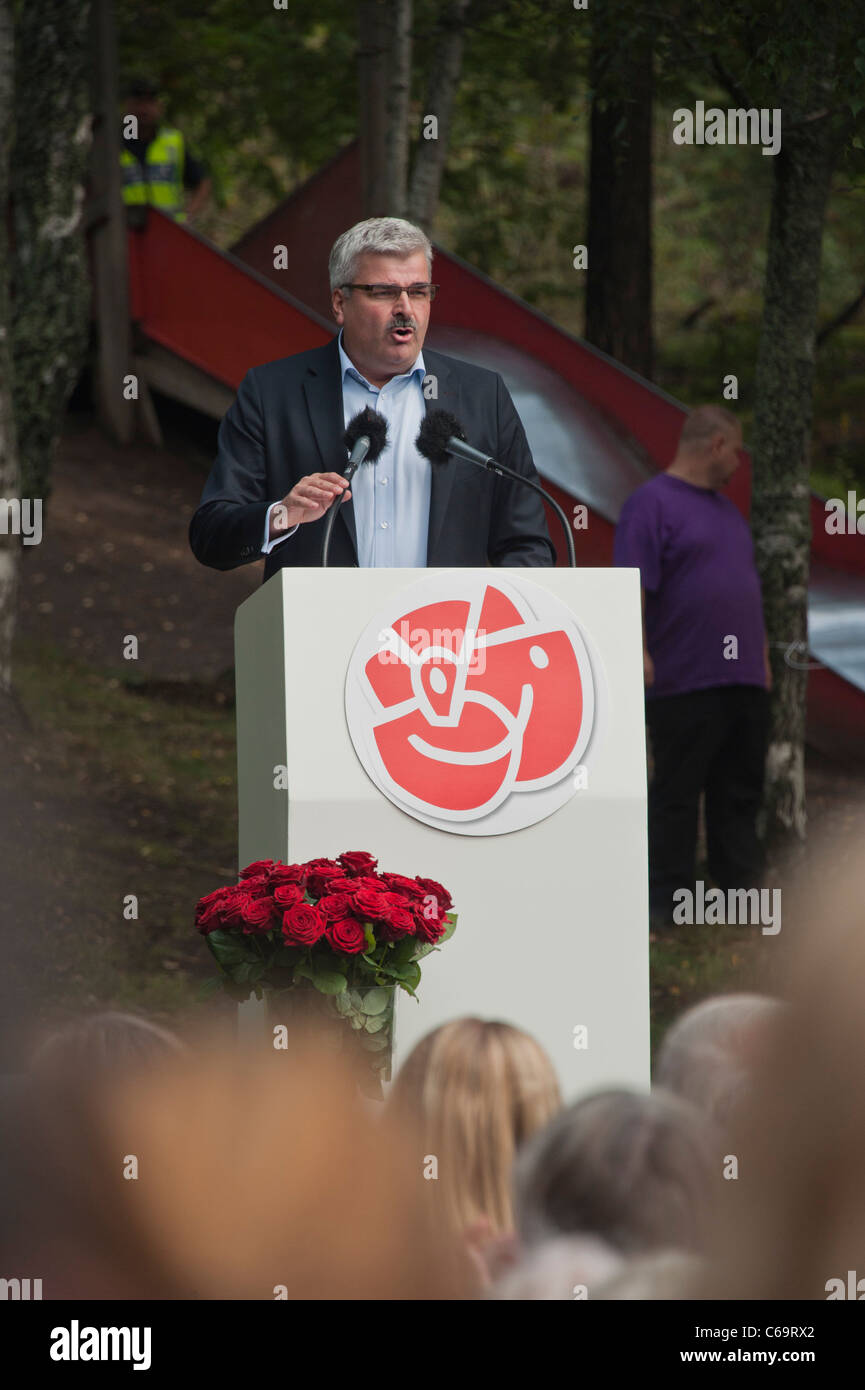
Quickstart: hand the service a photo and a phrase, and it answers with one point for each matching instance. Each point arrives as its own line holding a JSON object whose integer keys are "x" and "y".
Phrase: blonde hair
{"x": 478, "y": 1089}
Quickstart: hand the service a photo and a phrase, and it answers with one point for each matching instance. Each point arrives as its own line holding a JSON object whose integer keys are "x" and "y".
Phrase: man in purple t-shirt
{"x": 705, "y": 660}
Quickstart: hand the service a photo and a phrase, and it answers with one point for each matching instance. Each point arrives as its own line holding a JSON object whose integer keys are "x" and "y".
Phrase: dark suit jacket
{"x": 287, "y": 421}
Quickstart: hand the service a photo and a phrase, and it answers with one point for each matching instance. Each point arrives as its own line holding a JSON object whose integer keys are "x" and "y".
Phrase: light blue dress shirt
{"x": 392, "y": 496}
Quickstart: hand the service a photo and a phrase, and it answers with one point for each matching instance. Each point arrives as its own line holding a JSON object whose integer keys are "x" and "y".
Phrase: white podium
{"x": 483, "y": 728}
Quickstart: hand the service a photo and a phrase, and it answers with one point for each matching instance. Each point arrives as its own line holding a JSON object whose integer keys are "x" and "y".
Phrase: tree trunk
{"x": 50, "y": 279}
{"x": 784, "y": 386}
{"x": 398, "y": 94}
{"x": 619, "y": 241}
{"x": 431, "y": 154}
{"x": 9, "y": 479}
{"x": 372, "y": 84}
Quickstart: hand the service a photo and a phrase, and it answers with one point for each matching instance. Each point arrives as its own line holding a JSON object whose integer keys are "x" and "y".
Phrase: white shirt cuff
{"x": 269, "y": 544}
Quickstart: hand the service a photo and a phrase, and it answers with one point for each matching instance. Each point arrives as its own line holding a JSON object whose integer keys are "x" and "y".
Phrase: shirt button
{"x": 383, "y": 525}
{"x": 383, "y": 482}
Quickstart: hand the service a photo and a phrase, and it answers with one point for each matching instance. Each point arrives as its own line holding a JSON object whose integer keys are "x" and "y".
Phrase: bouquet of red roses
{"x": 337, "y": 924}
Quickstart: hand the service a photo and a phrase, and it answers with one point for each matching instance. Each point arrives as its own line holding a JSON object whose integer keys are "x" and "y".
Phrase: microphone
{"x": 365, "y": 438}
{"x": 442, "y": 434}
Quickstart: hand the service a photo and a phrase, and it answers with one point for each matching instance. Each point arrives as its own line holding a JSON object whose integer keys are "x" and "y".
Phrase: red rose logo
{"x": 462, "y": 704}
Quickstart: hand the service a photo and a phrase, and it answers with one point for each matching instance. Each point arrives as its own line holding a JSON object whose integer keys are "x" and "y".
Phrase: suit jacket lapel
{"x": 322, "y": 387}
{"x": 442, "y": 478}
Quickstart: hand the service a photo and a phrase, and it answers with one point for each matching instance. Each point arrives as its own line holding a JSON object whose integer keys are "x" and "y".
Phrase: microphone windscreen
{"x": 374, "y": 426}
{"x": 437, "y": 428}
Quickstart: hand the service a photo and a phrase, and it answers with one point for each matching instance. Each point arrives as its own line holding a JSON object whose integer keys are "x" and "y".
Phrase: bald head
{"x": 705, "y": 422}
{"x": 708, "y": 447}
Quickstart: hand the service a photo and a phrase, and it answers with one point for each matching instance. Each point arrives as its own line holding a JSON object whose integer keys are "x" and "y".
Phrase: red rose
{"x": 229, "y": 908}
{"x": 303, "y": 925}
{"x": 341, "y": 885}
{"x": 429, "y": 929}
{"x": 357, "y": 862}
{"x": 287, "y": 873}
{"x": 287, "y": 895}
{"x": 256, "y": 887}
{"x": 319, "y": 876}
{"x": 374, "y": 882}
{"x": 370, "y": 904}
{"x": 208, "y": 910}
{"x": 399, "y": 922}
{"x": 432, "y": 889}
{"x": 334, "y": 905}
{"x": 258, "y": 914}
{"x": 346, "y": 935}
{"x": 314, "y": 865}
{"x": 398, "y": 883}
{"x": 260, "y": 866}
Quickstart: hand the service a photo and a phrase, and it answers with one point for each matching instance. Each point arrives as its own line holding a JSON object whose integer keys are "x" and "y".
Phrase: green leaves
{"x": 325, "y": 981}
{"x": 230, "y": 950}
{"x": 375, "y": 1001}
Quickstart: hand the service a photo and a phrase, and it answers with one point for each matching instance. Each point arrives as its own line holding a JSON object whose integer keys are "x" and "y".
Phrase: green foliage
{"x": 260, "y": 93}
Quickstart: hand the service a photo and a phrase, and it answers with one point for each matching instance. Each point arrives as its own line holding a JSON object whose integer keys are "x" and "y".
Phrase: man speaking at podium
{"x": 281, "y": 452}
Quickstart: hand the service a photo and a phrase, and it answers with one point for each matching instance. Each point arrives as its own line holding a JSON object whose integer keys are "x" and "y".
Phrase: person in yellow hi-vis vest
{"x": 156, "y": 167}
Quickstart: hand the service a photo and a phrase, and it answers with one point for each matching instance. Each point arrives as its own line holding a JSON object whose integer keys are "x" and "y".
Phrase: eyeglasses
{"x": 393, "y": 292}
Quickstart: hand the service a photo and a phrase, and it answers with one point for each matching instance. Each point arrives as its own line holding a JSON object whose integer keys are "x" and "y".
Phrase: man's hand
{"x": 648, "y": 668}
{"x": 308, "y": 501}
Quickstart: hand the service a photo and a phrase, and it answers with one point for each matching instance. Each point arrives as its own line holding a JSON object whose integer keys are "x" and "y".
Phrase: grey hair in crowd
{"x": 386, "y": 236}
{"x": 568, "y": 1267}
{"x": 633, "y": 1170}
{"x": 666, "y": 1274}
{"x": 710, "y": 1054}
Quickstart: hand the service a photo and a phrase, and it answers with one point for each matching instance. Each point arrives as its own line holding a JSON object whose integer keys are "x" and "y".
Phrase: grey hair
{"x": 552, "y": 1269}
{"x": 710, "y": 1054}
{"x": 387, "y": 236}
{"x": 632, "y": 1170}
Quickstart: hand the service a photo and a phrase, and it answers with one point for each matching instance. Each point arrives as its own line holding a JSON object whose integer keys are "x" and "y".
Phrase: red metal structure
{"x": 597, "y": 429}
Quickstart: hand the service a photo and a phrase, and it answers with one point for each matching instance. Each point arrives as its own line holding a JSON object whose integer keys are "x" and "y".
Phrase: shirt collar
{"x": 347, "y": 366}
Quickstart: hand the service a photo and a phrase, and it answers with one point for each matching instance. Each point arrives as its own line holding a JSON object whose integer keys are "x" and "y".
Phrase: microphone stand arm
{"x": 493, "y": 466}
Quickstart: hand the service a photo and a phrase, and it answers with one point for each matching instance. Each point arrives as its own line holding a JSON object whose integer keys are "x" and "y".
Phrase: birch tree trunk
{"x": 51, "y": 290}
{"x": 431, "y": 154}
{"x": 784, "y": 388}
{"x": 9, "y": 478}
